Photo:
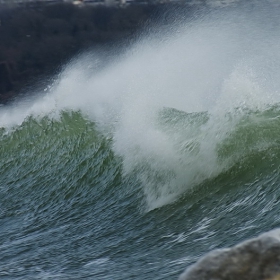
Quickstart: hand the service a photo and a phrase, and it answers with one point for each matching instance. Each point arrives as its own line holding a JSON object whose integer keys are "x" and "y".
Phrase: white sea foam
{"x": 213, "y": 64}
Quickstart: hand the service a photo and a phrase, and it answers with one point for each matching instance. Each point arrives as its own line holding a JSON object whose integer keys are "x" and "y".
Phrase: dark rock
{"x": 36, "y": 40}
{"x": 254, "y": 259}
{"x": 6, "y": 83}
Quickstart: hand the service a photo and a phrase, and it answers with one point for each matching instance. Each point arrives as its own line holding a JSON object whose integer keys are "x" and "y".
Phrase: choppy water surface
{"x": 136, "y": 169}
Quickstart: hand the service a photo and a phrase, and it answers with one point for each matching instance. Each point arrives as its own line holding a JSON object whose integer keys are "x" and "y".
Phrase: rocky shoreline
{"x": 255, "y": 259}
{"x": 37, "y": 41}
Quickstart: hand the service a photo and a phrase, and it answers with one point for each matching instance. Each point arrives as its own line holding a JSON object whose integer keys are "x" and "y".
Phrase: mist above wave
{"x": 222, "y": 64}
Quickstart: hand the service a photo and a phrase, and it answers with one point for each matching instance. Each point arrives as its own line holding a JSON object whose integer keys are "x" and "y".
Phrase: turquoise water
{"x": 136, "y": 169}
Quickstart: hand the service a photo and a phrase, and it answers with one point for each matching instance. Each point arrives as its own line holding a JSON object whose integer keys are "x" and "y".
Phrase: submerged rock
{"x": 254, "y": 259}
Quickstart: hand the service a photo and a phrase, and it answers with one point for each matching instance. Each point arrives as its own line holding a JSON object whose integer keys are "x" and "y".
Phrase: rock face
{"x": 5, "y": 78}
{"x": 254, "y": 259}
{"x": 39, "y": 37}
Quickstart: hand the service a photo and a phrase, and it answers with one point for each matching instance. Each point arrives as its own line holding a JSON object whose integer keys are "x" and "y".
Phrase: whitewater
{"x": 134, "y": 162}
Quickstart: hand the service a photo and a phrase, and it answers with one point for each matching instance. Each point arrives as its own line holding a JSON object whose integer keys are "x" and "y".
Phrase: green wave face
{"x": 242, "y": 142}
{"x": 45, "y": 162}
{"x": 62, "y": 180}
{"x": 64, "y": 151}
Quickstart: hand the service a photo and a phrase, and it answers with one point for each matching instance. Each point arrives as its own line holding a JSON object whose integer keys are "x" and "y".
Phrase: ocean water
{"x": 134, "y": 168}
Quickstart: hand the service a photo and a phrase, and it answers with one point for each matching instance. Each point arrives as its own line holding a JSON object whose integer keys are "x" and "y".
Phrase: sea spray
{"x": 167, "y": 105}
